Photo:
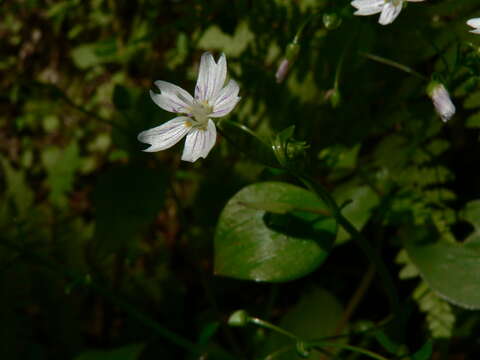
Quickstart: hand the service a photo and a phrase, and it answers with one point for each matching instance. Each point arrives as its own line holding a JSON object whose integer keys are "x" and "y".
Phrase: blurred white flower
{"x": 475, "y": 23}
{"x": 441, "y": 101}
{"x": 212, "y": 100}
{"x": 388, "y": 9}
{"x": 282, "y": 70}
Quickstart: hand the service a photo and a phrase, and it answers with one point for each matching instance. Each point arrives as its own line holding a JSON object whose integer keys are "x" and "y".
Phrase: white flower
{"x": 282, "y": 70}
{"x": 475, "y": 23}
{"x": 388, "y": 9}
{"x": 441, "y": 101}
{"x": 212, "y": 100}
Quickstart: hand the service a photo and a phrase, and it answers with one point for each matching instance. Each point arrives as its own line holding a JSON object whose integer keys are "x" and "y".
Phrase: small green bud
{"x": 335, "y": 98}
{"x": 239, "y": 318}
{"x": 331, "y": 21}
{"x": 292, "y": 51}
{"x": 302, "y": 349}
{"x": 363, "y": 326}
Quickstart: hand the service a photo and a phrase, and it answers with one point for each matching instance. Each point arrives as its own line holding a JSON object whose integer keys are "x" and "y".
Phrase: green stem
{"x": 357, "y": 349}
{"x": 366, "y": 247}
{"x": 394, "y": 64}
{"x": 356, "y": 298}
{"x": 270, "y": 326}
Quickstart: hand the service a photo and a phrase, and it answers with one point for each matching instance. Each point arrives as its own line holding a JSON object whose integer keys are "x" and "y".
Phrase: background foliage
{"x": 107, "y": 252}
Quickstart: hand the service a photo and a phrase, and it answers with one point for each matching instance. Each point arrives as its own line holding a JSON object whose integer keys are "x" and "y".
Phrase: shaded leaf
{"x": 126, "y": 200}
{"x": 452, "y": 270}
{"x": 130, "y": 352}
{"x": 316, "y": 315}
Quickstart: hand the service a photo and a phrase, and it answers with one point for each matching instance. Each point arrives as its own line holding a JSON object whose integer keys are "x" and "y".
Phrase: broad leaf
{"x": 252, "y": 243}
{"x": 451, "y": 270}
{"x": 316, "y": 315}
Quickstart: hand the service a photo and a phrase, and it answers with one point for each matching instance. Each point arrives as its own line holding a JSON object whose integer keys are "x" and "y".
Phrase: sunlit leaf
{"x": 253, "y": 244}
{"x": 358, "y": 211}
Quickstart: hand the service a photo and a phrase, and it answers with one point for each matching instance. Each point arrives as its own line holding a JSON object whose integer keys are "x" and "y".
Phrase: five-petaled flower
{"x": 388, "y": 9}
{"x": 475, "y": 24}
{"x": 212, "y": 100}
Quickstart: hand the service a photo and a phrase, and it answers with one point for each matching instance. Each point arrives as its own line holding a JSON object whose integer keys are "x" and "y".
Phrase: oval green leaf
{"x": 451, "y": 270}
{"x": 256, "y": 242}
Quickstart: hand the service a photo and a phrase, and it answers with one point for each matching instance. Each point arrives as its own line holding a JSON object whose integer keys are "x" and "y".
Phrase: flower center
{"x": 200, "y": 111}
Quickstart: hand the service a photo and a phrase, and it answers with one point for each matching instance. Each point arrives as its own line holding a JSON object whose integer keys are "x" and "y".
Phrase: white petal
{"x": 172, "y": 98}
{"x": 476, "y": 31}
{"x": 475, "y": 22}
{"x": 211, "y": 76}
{"x": 368, "y": 7}
{"x": 166, "y": 135}
{"x": 226, "y": 100}
{"x": 199, "y": 142}
{"x": 390, "y": 13}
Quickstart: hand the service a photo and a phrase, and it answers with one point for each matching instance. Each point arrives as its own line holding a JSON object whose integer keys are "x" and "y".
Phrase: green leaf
{"x": 17, "y": 190}
{"x": 364, "y": 200}
{"x": 88, "y": 55}
{"x": 471, "y": 213}
{"x": 126, "y": 199}
{"x": 130, "y": 352}
{"x": 425, "y": 352}
{"x": 215, "y": 38}
{"x": 61, "y": 165}
{"x": 253, "y": 244}
{"x": 316, "y": 315}
{"x": 247, "y": 142}
{"x": 451, "y": 270}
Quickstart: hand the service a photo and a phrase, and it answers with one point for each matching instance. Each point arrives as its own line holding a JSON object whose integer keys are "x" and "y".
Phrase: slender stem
{"x": 366, "y": 247}
{"x": 279, "y": 352}
{"x": 338, "y": 72}
{"x": 349, "y": 347}
{"x": 394, "y": 64}
{"x": 356, "y": 298}
{"x": 267, "y": 325}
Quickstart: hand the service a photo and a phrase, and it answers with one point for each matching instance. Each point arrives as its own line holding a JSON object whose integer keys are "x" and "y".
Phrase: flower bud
{"x": 282, "y": 70}
{"x": 441, "y": 100}
{"x": 334, "y": 97}
{"x": 239, "y": 318}
{"x": 331, "y": 21}
{"x": 291, "y": 54}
